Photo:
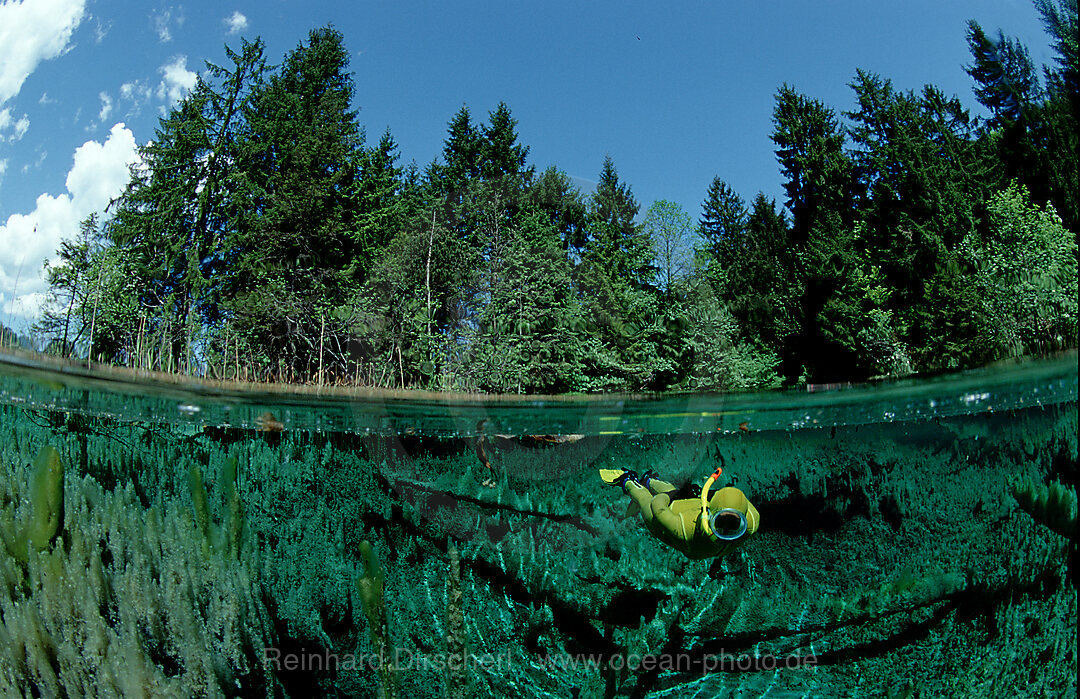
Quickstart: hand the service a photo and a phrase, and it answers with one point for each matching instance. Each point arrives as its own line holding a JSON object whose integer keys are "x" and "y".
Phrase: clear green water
{"x": 903, "y": 545}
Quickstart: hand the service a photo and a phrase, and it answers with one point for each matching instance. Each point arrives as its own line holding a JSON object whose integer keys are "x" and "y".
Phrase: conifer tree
{"x": 302, "y": 158}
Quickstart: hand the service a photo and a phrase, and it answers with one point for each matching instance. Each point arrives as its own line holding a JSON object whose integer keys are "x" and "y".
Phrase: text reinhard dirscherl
{"x": 405, "y": 659}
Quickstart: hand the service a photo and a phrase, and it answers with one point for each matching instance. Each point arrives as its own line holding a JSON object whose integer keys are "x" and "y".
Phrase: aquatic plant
{"x": 879, "y": 601}
{"x": 456, "y": 677}
{"x": 1053, "y": 505}
{"x": 46, "y": 497}
{"x": 226, "y": 536}
{"x": 369, "y": 586}
{"x": 118, "y": 599}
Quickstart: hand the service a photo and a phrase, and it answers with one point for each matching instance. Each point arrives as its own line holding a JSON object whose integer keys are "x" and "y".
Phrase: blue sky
{"x": 675, "y": 93}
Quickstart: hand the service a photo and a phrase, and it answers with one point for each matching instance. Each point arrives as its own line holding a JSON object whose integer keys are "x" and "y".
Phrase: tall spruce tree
{"x": 1006, "y": 81}
{"x": 615, "y": 279}
{"x": 554, "y": 194}
{"x": 381, "y": 201}
{"x": 302, "y": 156}
{"x": 922, "y": 171}
{"x": 763, "y": 287}
{"x": 1057, "y": 131}
{"x": 173, "y": 223}
{"x": 723, "y": 218}
{"x": 820, "y": 189}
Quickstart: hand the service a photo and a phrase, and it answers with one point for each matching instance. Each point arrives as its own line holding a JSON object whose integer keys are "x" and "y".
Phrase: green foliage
{"x": 528, "y": 338}
{"x": 382, "y": 206}
{"x": 63, "y": 317}
{"x": 1025, "y": 270}
{"x": 668, "y": 228}
{"x": 761, "y": 282}
{"x": 1060, "y": 20}
{"x": 554, "y": 194}
{"x": 809, "y": 147}
{"x": 718, "y": 358}
{"x": 303, "y": 159}
{"x": 920, "y": 168}
{"x": 614, "y": 243}
{"x": 723, "y": 218}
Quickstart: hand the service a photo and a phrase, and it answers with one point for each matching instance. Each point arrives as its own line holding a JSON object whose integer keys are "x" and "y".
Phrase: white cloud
{"x": 106, "y": 106}
{"x": 101, "y": 29}
{"x": 99, "y": 172}
{"x": 236, "y": 22}
{"x": 178, "y": 80}
{"x": 163, "y": 22}
{"x": 137, "y": 91}
{"x": 42, "y": 155}
{"x": 18, "y": 128}
{"x": 161, "y": 26}
{"x": 33, "y": 31}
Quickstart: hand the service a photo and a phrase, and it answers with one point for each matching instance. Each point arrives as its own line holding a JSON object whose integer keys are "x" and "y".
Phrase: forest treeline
{"x": 262, "y": 237}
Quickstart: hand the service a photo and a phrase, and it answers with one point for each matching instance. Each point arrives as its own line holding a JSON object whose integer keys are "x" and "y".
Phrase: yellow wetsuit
{"x": 678, "y": 523}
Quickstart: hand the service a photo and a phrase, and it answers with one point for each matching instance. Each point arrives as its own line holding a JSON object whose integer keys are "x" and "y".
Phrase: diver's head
{"x": 727, "y": 524}
{"x": 728, "y": 515}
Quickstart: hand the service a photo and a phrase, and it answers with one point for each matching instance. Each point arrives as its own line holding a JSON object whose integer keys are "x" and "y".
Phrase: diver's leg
{"x": 665, "y": 524}
{"x": 661, "y": 487}
{"x": 642, "y": 496}
{"x": 656, "y": 485}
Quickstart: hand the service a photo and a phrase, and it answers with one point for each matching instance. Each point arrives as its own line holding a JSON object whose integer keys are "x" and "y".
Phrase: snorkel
{"x": 705, "y": 524}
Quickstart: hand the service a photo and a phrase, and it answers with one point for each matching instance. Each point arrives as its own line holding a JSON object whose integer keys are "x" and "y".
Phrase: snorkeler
{"x": 698, "y": 527}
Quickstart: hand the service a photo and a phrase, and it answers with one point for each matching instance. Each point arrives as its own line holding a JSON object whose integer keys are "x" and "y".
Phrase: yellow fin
{"x": 611, "y": 475}
{"x": 633, "y": 508}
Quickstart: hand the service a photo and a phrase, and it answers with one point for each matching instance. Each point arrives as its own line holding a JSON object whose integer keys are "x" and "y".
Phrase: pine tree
{"x": 723, "y": 216}
{"x": 380, "y": 200}
{"x": 810, "y": 149}
{"x": 295, "y": 247}
{"x": 174, "y": 221}
{"x": 461, "y": 152}
{"x": 821, "y": 193}
{"x": 722, "y": 228}
{"x": 615, "y": 278}
{"x": 553, "y": 193}
{"x": 1057, "y": 131}
{"x": 922, "y": 171}
{"x": 501, "y": 156}
{"x": 614, "y": 241}
{"x": 763, "y": 289}
{"x": 1005, "y": 76}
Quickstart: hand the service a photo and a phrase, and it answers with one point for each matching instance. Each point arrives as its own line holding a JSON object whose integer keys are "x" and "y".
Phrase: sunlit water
{"x": 917, "y": 539}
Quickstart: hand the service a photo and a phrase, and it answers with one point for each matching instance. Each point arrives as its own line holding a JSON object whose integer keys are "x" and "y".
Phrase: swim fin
{"x": 612, "y": 476}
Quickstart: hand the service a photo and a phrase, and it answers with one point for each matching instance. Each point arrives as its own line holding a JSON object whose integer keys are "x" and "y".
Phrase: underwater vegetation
{"x": 916, "y": 559}
{"x": 101, "y": 596}
{"x": 1053, "y": 505}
